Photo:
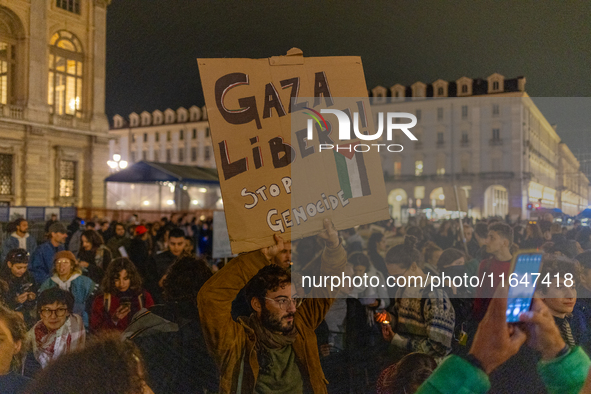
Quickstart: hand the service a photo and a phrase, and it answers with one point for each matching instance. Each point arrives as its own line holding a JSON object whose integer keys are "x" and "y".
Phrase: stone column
{"x": 37, "y": 107}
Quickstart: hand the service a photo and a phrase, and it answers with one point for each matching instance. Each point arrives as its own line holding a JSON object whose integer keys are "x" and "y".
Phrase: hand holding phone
{"x": 520, "y": 296}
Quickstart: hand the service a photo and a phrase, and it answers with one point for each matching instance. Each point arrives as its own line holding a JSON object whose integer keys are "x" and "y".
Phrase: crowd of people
{"x": 137, "y": 307}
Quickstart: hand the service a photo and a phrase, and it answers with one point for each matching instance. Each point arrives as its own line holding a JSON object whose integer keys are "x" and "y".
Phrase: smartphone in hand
{"x": 524, "y": 277}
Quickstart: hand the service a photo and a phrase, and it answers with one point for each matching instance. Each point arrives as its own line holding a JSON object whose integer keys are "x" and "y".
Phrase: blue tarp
{"x": 151, "y": 172}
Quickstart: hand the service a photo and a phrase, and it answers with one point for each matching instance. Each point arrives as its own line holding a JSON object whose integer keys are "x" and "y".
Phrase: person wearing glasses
{"x": 58, "y": 332}
{"x": 259, "y": 352}
{"x": 21, "y": 285}
{"x": 67, "y": 275}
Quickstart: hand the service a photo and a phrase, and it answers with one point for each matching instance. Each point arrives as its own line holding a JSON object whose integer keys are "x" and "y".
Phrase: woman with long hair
{"x": 94, "y": 256}
{"x": 421, "y": 320}
{"x": 122, "y": 297}
{"x": 12, "y": 349}
{"x": 534, "y": 238}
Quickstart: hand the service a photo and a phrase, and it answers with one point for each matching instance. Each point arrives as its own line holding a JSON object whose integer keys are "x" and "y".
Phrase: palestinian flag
{"x": 351, "y": 171}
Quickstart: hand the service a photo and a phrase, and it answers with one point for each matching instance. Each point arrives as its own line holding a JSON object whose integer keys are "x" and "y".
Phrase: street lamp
{"x": 117, "y": 164}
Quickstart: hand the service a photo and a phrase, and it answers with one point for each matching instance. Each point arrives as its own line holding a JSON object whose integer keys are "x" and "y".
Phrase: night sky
{"x": 152, "y": 46}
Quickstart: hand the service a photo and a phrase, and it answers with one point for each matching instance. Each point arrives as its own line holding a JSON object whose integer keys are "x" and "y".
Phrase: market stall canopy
{"x": 585, "y": 214}
{"x": 151, "y": 172}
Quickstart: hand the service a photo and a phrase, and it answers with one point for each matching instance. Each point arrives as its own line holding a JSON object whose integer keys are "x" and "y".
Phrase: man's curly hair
{"x": 268, "y": 279}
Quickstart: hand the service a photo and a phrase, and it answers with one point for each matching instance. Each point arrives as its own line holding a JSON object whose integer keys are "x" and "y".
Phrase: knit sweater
{"x": 424, "y": 321}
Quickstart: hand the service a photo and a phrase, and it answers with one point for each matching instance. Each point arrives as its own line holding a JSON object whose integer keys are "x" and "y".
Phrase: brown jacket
{"x": 228, "y": 340}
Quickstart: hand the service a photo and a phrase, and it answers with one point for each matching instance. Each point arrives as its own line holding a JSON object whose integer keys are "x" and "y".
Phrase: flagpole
{"x": 453, "y": 180}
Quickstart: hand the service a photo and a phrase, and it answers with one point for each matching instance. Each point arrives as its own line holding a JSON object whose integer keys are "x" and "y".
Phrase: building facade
{"x": 178, "y": 137}
{"x": 53, "y": 127}
{"x": 488, "y": 138}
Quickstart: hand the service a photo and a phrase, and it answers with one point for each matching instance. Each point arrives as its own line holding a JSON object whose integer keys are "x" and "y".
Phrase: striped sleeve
{"x": 439, "y": 320}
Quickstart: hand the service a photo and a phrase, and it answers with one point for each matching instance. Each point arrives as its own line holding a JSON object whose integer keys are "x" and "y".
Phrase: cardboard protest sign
{"x": 451, "y": 204}
{"x": 250, "y": 104}
{"x": 221, "y": 241}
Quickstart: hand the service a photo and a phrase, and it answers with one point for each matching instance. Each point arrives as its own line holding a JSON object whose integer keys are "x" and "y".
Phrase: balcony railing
{"x": 12, "y": 111}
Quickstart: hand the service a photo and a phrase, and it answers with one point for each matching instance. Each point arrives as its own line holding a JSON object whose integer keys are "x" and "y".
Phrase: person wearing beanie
{"x": 41, "y": 262}
{"x": 67, "y": 275}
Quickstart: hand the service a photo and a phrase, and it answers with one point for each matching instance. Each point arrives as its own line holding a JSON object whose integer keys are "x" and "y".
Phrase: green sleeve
{"x": 456, "y": 376}
{"x": 565, "y": 374}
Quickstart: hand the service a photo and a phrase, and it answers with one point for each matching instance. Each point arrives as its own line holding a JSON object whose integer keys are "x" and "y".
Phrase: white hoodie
{"x": 22, "y": 241}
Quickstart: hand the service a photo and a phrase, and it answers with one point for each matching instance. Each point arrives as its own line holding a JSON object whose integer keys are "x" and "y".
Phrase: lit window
{"x": 6, "y": 174}
{"x": 419, "y": 192}
{"x": 7, "y": 69}
{"x": 68, "y": 178}
{"x": 69, "y": 5}
{"x": 65, "y": 74}
{"x": 418, "y": 168}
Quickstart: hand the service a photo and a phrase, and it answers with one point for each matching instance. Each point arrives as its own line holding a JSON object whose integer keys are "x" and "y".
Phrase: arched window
{"x": 11, "y": 32}
{"x": 65, "y": 74}
{"x": 6, "y": 70}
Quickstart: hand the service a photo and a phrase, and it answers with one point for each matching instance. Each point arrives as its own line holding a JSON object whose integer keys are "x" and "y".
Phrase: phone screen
{"x": 520, "y": 297}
